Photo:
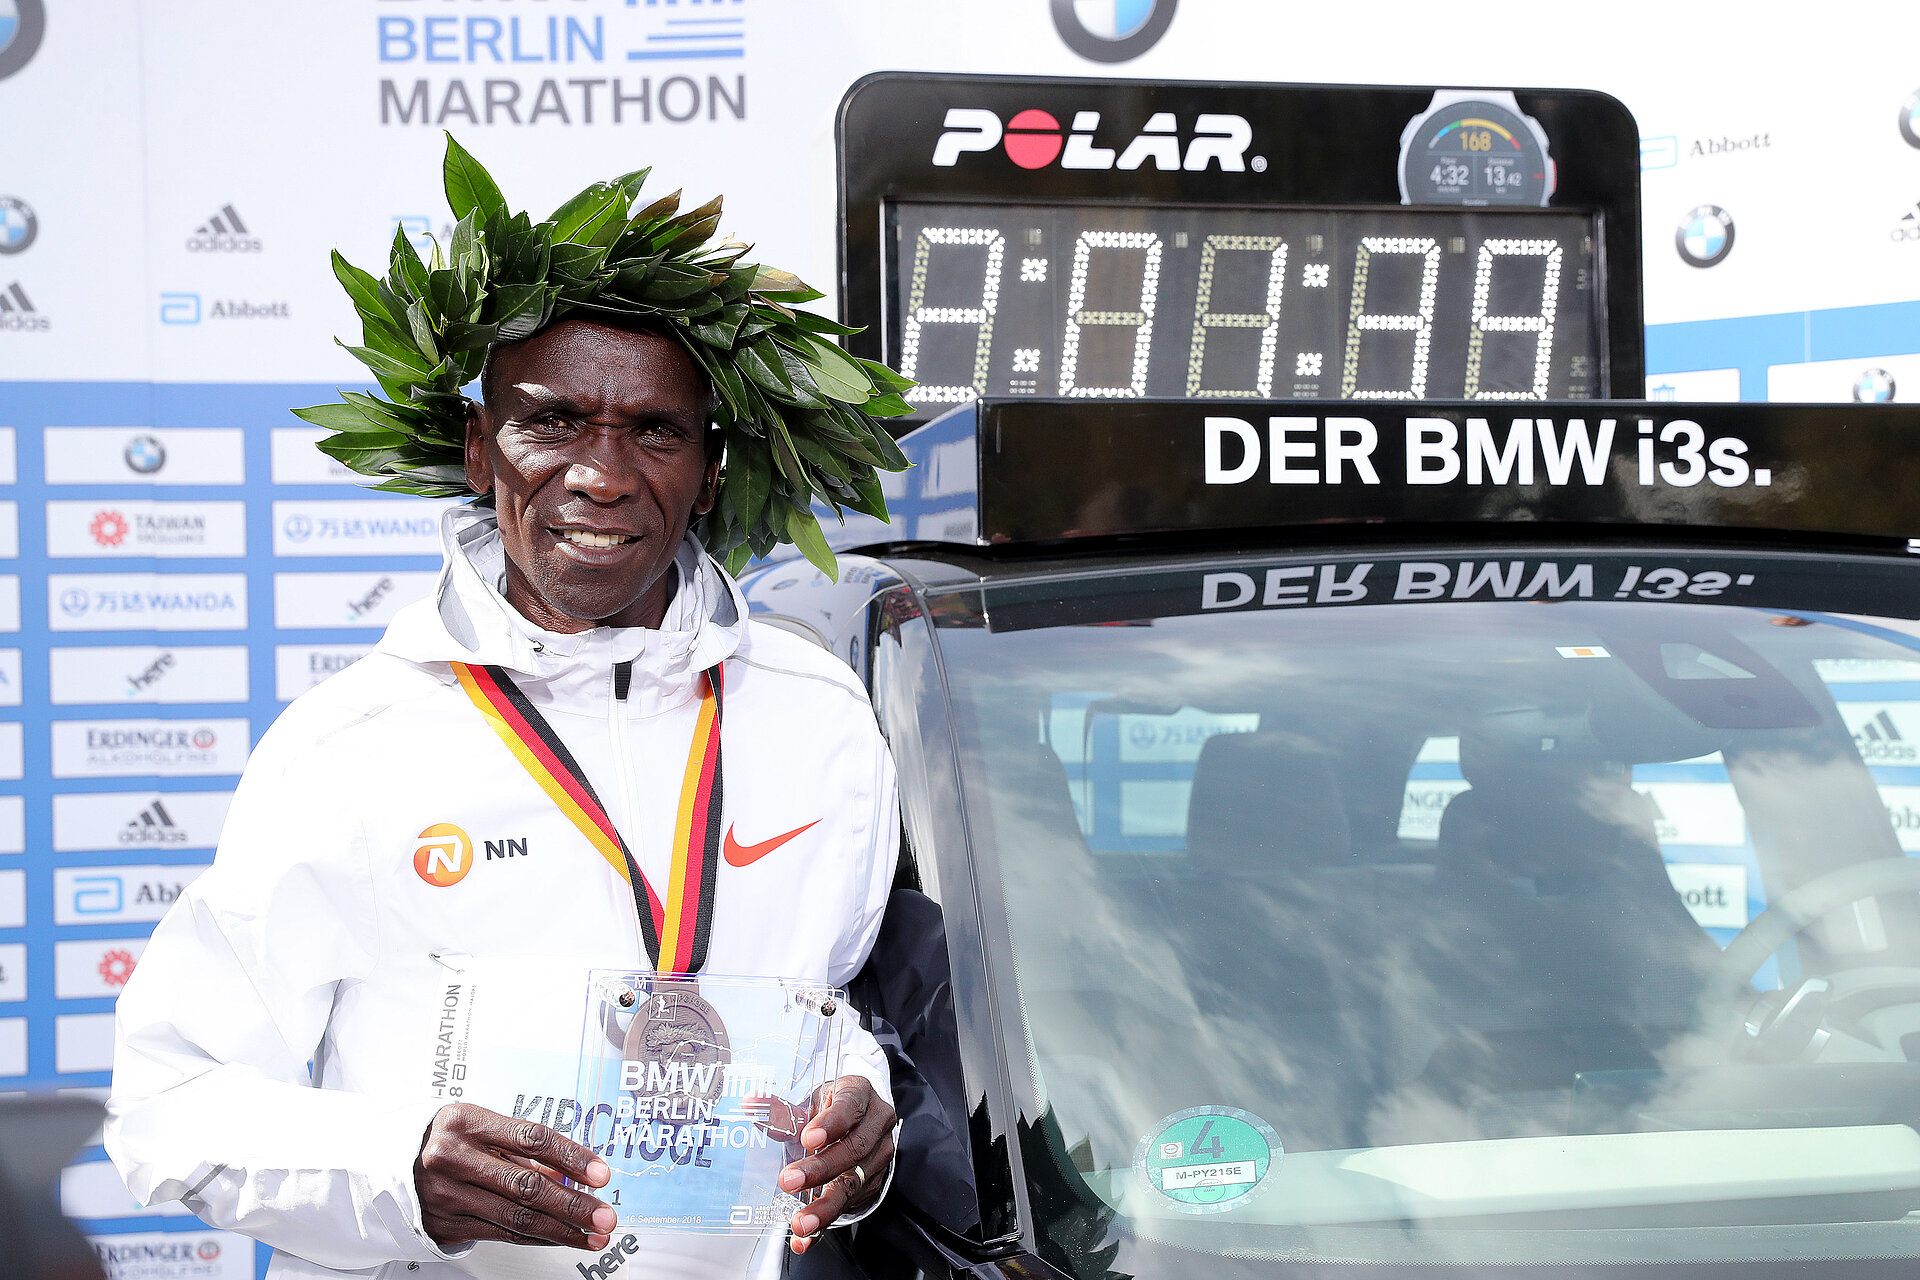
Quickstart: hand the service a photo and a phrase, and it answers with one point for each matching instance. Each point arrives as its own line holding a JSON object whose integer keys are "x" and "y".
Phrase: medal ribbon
{"x": 676, "y": 931}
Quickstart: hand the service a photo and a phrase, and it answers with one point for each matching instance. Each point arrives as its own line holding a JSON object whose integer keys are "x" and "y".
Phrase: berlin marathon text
{"x": 568, "y": 101}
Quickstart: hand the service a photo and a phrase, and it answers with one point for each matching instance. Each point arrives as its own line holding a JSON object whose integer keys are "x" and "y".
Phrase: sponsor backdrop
{"x": 176, "y": 562}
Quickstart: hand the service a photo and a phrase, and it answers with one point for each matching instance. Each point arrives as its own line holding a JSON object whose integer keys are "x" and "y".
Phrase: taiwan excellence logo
{"x": 1112, "y": 30}
{"x": 18, "y": 225}
{"x": 1705, "y": 236}
{"x": 22, "y": 24}
{"x": 109, "y": 529}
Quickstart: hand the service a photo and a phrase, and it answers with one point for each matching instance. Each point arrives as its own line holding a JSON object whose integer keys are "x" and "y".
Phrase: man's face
{"x": 593, "y": 442}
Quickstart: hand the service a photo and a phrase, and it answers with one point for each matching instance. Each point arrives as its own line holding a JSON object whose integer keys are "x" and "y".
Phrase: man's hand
{"x": 481, "y": 1176}
{"x": 853, "y": 1130}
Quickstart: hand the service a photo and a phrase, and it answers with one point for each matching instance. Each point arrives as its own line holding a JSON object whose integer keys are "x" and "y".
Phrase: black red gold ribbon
{"x": 676, "y": 930}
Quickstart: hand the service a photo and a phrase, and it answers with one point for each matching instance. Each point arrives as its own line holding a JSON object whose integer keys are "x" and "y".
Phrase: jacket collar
{"x": 467, "y": 619}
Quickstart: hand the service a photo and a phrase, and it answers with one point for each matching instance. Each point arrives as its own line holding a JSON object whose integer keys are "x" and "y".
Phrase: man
{"x": 265, "y": 1073}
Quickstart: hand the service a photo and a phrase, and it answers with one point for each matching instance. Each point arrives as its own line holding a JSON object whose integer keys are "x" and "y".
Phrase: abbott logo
{"x": 443, "y": 855}
{"x": 1033, "y": 139}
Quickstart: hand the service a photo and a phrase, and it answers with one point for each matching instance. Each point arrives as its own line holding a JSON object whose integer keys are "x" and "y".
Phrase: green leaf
{"x": 577, "y": 261}
{"x": 753, "y": 482}
{"x": 721, "y": 328}
{"x": 887, "y": 406}
{"x": 421, "y": 325}
{"x": 580, "y": 217}
{"x": 805, "y": 391}
{"x": 361, "y": 286}
{"x": 471, "y": 337}
{"x": 689, "y": 231}
{"x": 388, "y": 367}
{"x": 339, "y": 417}
{"x": 762, "y": 364}
{"x": 469, "y": 186}
{"x": 784, "y": 456}
{"x": 774, "y": 280}
{"x": 891, "y": 457}
{"x": 406, "y": 274}
{"x": 385, "y": 416}
{"x": 834, "y": 372}
{"x": 804, "y": 532}
{"x": 884, "y": 378}
{"x": 813, "y": 322}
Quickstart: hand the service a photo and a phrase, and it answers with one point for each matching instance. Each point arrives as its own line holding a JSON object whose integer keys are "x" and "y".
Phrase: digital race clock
{"x": 1119, "y": 238}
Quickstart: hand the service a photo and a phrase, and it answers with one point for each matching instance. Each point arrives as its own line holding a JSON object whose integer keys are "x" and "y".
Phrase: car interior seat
{"x": 1554, "y": 941}
{"x": 1273, "y": 916}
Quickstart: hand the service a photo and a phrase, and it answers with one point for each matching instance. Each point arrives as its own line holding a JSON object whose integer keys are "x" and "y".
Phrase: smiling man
{"x": 679, "y": 788}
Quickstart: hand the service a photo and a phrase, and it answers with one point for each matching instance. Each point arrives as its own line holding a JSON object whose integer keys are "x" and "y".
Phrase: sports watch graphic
{"x": 1475, "y": 147}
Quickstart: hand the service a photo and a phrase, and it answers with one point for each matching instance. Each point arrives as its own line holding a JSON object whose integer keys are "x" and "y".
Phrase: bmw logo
{"x": 18, "y": 226}
{"x": 1705, "y": 236}
{"x": 1873, "y": 386}
{"x": 144, "y": 454}
{"x": 1110, "y": 30}
{"x": 1910, "y": 119}
{"x": 22, "y": 23}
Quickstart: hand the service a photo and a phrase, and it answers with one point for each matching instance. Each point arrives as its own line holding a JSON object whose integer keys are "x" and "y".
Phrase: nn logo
{"x": 610, "y": 1261}
{"x": 153, "y": 825}
{"x": 443, "y": 855}
{"x": 1881, "y": 742}
{"x": 17, "y": 312}
{"x": 224, "y": 232}
{"x": 1033, "y": 139}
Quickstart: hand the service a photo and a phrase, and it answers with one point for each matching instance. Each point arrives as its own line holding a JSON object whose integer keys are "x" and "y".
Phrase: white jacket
{"x": 309, "y": 939}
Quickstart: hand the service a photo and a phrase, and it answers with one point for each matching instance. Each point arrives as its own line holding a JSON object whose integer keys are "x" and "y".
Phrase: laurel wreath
{"x": 797, "y": 412}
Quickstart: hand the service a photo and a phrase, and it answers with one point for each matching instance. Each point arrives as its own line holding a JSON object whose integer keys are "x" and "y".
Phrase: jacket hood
{"x": 467, "y": 618}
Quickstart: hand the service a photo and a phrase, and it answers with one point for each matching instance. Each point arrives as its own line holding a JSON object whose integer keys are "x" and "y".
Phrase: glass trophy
{"x": 694, "y": 1090}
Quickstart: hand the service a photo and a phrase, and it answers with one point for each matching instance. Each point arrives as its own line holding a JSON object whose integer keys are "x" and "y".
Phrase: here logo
{"x": 1033, "y": 139}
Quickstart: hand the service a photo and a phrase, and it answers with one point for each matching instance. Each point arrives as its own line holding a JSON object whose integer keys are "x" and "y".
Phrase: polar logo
{"x": 1032, "y": 140}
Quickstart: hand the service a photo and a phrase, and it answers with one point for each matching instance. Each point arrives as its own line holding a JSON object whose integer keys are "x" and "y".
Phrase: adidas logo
{"x": 224, "y": 232}
{"x": 1908, "y": 228}
{"x": 1881, "y": 742}
{"x": 1881, "y": 729}
{"x": 153, "y": 825}
{"x": 17, "y": 312}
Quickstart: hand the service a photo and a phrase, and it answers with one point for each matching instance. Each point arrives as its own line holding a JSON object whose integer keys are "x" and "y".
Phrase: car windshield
{"x": 1402, "y": 932}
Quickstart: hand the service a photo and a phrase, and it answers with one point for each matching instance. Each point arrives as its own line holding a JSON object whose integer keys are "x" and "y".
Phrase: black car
{"x": 1471, "y": 877}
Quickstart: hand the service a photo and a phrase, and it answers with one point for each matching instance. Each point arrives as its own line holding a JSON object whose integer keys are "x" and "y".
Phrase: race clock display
{"x": 1011, "y": 236}
{"x": 1242, "y": 303}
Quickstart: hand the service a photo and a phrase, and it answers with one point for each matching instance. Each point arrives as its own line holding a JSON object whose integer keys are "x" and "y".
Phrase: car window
{"x": 1403, "y": 933}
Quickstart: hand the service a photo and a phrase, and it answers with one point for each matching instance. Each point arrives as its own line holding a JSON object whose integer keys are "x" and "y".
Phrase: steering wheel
{"x": 1727, "y": 988}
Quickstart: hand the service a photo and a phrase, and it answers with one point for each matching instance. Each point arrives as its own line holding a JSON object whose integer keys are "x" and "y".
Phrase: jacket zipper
{"x": 623, "y": 765}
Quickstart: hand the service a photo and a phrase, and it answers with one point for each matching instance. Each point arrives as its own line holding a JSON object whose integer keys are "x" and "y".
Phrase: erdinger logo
{"x": 443, "y": 855}
{"x": 1033, "y": 139}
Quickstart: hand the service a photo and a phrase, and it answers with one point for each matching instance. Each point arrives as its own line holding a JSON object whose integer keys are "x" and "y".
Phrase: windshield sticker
{"x": 1208, "y": 1159}
{"x": 1581, "y": 651}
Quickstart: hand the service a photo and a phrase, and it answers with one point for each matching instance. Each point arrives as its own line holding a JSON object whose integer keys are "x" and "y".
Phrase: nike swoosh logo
{"x": 745, "y": 855}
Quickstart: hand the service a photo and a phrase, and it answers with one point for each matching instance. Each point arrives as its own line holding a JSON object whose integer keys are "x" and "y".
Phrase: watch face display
{"x": 1475, "y": 152}
{"x": 1243, "y": 302}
